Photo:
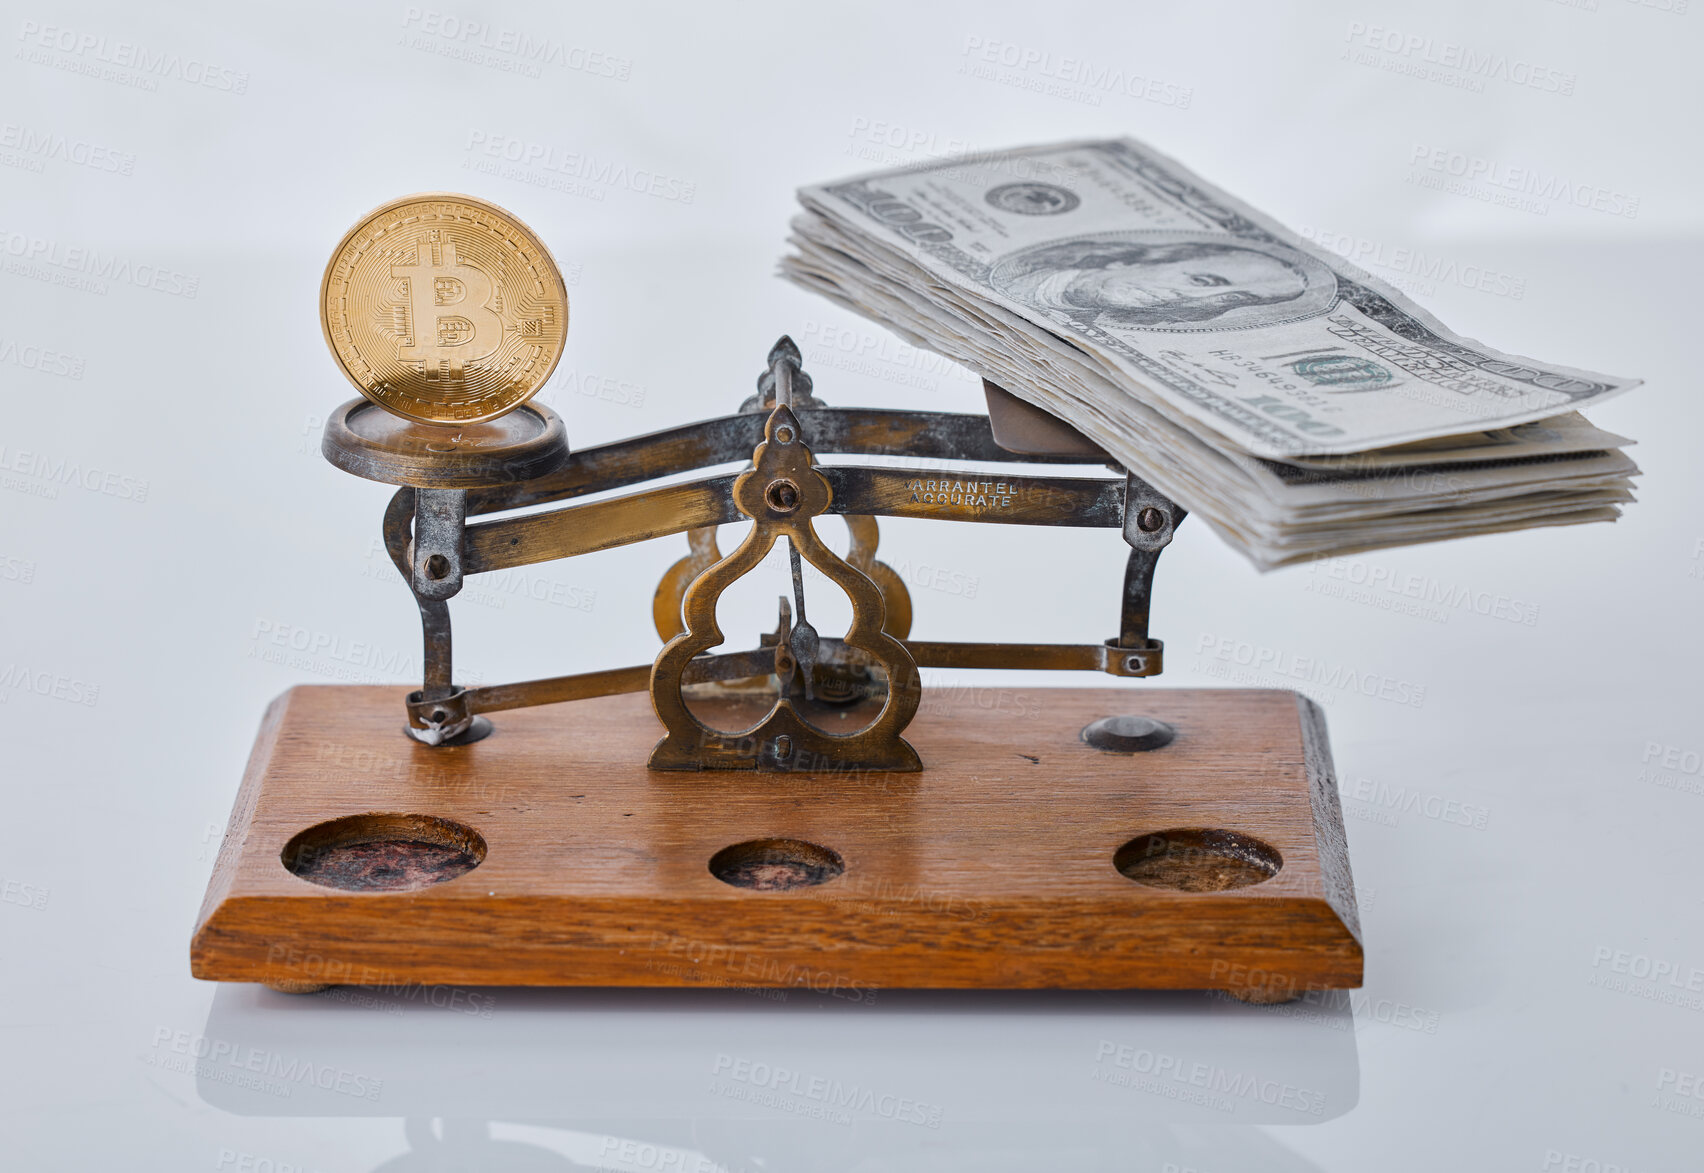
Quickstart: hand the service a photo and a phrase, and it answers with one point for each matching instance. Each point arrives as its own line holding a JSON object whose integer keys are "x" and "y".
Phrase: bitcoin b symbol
{"x": 450, "y": 323}
{"x": 444, "y": 309}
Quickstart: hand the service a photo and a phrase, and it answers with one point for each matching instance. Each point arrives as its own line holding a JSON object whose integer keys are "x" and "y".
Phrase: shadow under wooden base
{"x": 1021, "y": 857}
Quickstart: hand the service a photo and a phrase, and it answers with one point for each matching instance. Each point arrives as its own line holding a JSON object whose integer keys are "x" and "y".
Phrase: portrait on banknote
{"x": 1167, "y": 281}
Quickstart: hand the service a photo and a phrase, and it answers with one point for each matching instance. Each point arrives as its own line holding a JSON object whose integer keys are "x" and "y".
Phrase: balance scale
{"x": 802, "y": 813}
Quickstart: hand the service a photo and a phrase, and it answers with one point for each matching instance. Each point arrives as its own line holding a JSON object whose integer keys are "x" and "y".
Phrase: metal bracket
{"x": 1150, "y": 520}
{"x": 435, "y": 555}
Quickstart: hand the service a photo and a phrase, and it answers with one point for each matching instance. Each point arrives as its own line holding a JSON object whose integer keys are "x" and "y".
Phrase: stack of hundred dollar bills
{"x": 1300, "y": 406}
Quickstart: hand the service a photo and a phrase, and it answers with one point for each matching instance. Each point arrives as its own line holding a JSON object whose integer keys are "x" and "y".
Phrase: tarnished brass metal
{"x": 862, "y": 431}
{"x": 363, "y": 438}
{"x": 863, "y": 536}
{"x": 702, "y": 554}
{"x": 433, "y": 535}
{"x": 781, "y": 494}
{"x": 976, "y": 495}
{"x": 1001, "y": 498}
{"x": 444, "y": 309}
{"x": 599, "y": 525}
{"x": 464, "y": 703}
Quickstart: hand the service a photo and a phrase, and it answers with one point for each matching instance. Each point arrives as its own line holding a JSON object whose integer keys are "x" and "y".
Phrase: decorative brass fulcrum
{"x": 781, "y": 494}
{"x": 435, "y": 543}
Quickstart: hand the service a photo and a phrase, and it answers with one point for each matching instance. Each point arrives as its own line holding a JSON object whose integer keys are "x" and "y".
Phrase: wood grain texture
{"x": 992, "y": 868}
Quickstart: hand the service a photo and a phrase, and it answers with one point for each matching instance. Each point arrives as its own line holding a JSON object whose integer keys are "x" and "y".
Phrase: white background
{"x": 145, "y": 586}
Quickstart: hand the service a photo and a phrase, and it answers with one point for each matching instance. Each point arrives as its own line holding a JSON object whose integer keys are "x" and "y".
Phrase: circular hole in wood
{"x": 1128, "y": 733}
{"x": 775, "y": 865}
{"x": 1197, "y": 860}
{"x": 383, "y": 852}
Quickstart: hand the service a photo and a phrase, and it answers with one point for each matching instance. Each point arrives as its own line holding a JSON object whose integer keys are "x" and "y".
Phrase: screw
{"x": 782, "y": 496}
{"x": 1133, "y": 663}
{"x": 783, "y": 435}
{"x": 1150, "y": 520}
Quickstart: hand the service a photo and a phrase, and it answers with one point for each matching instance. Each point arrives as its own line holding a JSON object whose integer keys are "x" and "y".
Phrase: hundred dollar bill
{"x": 944, "y": 255}
{"x": 1113, "y": 259}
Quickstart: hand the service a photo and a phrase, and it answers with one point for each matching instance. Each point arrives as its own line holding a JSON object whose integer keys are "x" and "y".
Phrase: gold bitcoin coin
{"x": 444, "y": 309}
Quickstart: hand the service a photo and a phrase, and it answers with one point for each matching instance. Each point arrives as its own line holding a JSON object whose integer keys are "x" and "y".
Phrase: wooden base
{"x": 993, "y": 868}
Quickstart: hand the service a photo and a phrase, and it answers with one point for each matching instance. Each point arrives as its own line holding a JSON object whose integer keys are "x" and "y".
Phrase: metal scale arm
{"x": 445, "y": 546}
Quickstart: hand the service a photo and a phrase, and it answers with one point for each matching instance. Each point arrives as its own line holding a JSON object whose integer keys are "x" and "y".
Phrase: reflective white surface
{"x": 174, "y": 552}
